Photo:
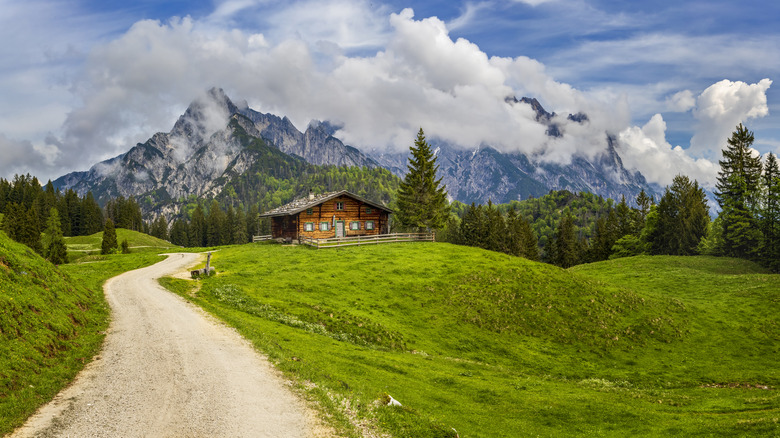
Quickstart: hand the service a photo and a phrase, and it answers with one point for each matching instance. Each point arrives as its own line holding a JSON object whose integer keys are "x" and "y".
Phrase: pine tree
{"x": 252, "y": 222}
{"x": 159, "y": 228}
{"x": 180, "y": 233}
{"x": 770, "y": 215}
{"x": 738, "y": 195}
{"x": 91, "y": 216}
{"x": 55, "y": 250}
{"x": 109, "y": 244}
{"x": 215, "y": 222}
{"x": 239, "y": 228}
{"x": 565, "y": 247}
{"x": 681, "y": 221}
{"x": 422, "y": 201}
{"x": 198, "y": 227}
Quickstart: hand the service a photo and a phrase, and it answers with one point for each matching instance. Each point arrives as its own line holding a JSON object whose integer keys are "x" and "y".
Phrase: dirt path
{"x": 169, "y": 370}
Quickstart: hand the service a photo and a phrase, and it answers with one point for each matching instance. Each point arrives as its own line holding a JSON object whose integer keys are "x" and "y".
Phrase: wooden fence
{"x": 261, "y": 238}
{"x": 368, "y": 240}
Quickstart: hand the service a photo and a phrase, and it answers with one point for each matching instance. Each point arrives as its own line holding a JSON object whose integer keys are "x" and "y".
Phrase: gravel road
{"x": 168, "y": 369}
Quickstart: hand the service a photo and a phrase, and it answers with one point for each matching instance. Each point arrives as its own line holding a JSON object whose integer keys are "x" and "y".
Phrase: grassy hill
{"x": 493, "y": 345}
{"x": 52, "y": 322}
{"x": 79, "y": 246}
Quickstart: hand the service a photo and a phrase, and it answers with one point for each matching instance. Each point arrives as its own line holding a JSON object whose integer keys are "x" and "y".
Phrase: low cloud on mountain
{"x": 380, "y": 76}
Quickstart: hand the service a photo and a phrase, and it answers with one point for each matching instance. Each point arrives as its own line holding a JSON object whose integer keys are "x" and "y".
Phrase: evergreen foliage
{"x": 159, "y": 228}
{"x": 738, "y": 195}
{"x": 682, "y": 219}
{"x": 55, "y": 250}
{"x": 770, "y": 214}
{"x": 422, "y": 200}
{"x": 109, "y": 244}
{"x": 564, "y": 251}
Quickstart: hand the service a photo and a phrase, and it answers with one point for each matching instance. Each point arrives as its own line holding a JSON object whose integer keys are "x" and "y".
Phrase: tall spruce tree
{"x": 770, "y": 214}
{"x": 198, "y": 227}
{"x": 682, "y": 219}
{"x": 738, "y": 195}
{"x": 109, "y": 243}
{"x": 565, "y": 248}
{"x": 54, "y": 250}
{"x": 422, "y": 201}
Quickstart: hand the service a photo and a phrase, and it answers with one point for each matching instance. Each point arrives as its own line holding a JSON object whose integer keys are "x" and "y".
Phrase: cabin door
{"x": 340, "y": 229}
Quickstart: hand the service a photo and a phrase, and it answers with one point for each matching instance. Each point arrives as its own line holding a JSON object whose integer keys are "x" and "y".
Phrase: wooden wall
{"x": 354, "y": 210}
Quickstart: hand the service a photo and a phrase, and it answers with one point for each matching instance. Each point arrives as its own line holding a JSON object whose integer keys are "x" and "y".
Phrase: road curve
{"x": 167, "y": 369}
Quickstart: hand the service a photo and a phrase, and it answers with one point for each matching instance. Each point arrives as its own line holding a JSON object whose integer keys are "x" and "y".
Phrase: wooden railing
{"x": 367, "y": 240}
{"x": 261, "y": 238}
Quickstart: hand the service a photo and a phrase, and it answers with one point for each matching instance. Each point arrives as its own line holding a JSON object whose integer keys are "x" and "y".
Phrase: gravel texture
{"x": 167, "y": 369}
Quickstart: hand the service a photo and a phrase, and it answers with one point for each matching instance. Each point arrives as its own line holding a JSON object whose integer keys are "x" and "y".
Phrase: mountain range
{"x": 216, "y": 141}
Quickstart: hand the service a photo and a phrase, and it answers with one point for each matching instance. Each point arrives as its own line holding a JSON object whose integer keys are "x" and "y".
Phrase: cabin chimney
{"x": 311, "y": 195}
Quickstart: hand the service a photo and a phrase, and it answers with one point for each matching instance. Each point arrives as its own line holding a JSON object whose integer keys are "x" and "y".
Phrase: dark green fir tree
{"x": 738, "y": 195}
{"x": 109, "y": 244}
{"x": 422, "y": 200}
{"x": 55, "y": 250}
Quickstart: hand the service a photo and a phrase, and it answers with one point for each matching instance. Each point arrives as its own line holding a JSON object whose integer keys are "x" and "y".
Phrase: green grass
{"x": 495, "y": 346}
{"x": 80, "y": 246}
{"x": 52, "y": 322}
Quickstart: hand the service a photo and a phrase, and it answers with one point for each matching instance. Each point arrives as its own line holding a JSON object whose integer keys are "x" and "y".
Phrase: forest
{"x": 580, "y": 228}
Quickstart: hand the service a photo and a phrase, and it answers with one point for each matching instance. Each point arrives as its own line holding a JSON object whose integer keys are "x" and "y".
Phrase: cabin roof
{"x": 300, "y": 204}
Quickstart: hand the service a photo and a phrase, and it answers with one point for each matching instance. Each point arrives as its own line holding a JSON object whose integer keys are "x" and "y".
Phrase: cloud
{"x": 647, "y": 150}
{"x": 380, "y": 75}
{"x": 21, "y": 155}
{"x": 681, "y": 101}
{"x": 720, "y": 108}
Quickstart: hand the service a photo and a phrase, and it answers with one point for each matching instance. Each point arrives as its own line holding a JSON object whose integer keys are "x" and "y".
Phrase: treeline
{"x": 570, "y": 229}
{"x": 211, "y": 227}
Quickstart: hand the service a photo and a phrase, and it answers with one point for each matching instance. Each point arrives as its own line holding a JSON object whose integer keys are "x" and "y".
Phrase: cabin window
{"x": 368, "y": 210}
{"x": 354, "y": 225}
{"x": 309, "y": 211}
{"x": 308, "y": 226}
{"x": 369, "y": 225}
{"x": 324, "y": 226}
{"x": 339, "y": 206}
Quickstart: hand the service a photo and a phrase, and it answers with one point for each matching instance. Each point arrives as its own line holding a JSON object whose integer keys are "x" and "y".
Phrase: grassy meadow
{"x": 81, "y": 246}
{"x": 494, "y": 346}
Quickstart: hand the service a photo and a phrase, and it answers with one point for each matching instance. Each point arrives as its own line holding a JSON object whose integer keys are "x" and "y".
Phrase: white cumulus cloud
{"x": 720, "y": 108}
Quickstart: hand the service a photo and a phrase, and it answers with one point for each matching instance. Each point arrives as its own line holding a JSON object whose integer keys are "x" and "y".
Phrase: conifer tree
{"x": 239, "y": 228}
{"x": 159, "y": 228}
{"x": 198, "y": 227}
{"x": 180, "y": 233}
{"x": 215, "y": 222}
{"x": 738, "y": 195}
{"x": 422, "y": 201}
{"x": 109, "y": 244}
{"x": 564, "y": 247}
{"x": 681, "y": 219}
{"x": 55, "y": 250}
{"x": 252, "y": 222}
{"x": 770, "y": 214}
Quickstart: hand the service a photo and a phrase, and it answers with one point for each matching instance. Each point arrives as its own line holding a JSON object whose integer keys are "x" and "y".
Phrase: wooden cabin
{"x": 334, "y": 214}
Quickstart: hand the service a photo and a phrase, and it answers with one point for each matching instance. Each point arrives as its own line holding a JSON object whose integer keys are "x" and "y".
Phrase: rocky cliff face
{"x": 207, "y": 146}
{"x": 201, "y": 152}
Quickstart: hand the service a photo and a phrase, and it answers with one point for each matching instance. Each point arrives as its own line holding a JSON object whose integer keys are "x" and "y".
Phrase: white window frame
{"x": 341, "y": 205}
{"x": 354, "y": 226}
{"x": 324, "y": 226}
{"x": 369, "y": 225}
{"x": 308, "y": 226}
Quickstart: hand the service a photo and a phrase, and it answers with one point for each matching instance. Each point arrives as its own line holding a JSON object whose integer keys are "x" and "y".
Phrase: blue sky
{"x": 82, "y": 81}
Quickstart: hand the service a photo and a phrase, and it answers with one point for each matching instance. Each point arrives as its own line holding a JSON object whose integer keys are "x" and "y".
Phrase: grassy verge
{"x": 493, "y": 346}
{"x": 83, "y": 246}
{"x": 52, "y": 322}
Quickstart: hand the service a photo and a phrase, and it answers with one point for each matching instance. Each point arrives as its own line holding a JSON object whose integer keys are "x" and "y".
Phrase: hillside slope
{"x": 493, "y": 345}
{"x": 50, "y": 326}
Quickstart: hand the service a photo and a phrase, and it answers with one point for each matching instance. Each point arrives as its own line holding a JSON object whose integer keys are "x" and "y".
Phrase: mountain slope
{"x": 204, "y": 152}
